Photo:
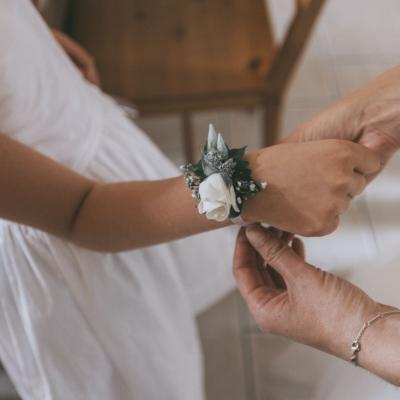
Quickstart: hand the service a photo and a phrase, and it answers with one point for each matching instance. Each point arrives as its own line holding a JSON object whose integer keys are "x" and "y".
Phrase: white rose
{"x": 216, "y": 198}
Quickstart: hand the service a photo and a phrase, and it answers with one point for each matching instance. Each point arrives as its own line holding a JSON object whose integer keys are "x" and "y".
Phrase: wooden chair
{"x": 186, "y": 55}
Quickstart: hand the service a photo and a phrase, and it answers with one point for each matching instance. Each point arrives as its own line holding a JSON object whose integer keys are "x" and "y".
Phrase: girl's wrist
{"x": 255, "y": 209}
{"x": 248, "y": 211}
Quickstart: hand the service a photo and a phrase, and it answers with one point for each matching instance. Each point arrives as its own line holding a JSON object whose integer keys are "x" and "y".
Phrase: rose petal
{"x": 215, "y": 198}
{"x": 220, "y": 213}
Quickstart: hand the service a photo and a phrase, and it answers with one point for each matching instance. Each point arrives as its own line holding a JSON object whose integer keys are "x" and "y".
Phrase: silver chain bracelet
{"x": 355, "y": 345}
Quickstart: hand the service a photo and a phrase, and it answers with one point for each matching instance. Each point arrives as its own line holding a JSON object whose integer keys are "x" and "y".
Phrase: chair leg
{"x": 272, "y": 120}
{"x": 187, "y": 133}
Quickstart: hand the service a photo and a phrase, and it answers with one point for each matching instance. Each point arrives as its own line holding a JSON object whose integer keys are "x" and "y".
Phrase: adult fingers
{"x": 298, "y": 247}
{"x": 249, "y": 278}
{"x": 366, "y": 161}
{"x": 276, "y": 253}
{"x": 380, "y": 143}
{"x": 357, "y": 185}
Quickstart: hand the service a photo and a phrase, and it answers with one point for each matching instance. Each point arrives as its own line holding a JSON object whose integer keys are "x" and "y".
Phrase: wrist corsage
{"x": 221, "y": 180}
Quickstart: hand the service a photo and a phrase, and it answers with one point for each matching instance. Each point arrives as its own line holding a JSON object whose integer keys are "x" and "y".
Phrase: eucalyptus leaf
{"x": 237, "y": 154}
{"x": 221, "y": 146}
{"x": 212, "y": 138}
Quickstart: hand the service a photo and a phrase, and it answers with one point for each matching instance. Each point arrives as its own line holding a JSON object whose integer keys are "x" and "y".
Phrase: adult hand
{"x": 309, "y": 184}
{"x": 80, "y": 57}
{"x": 370, "y": 116}
{"x": 315, "y": 308}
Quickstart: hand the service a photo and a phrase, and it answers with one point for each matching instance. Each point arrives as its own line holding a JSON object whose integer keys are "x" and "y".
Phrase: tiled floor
{"x": 354, "y": 41}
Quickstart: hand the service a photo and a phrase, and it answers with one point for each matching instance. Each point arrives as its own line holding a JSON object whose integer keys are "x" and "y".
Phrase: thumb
{"x": 275, "y": 252}
{"x": 381, "y": 144}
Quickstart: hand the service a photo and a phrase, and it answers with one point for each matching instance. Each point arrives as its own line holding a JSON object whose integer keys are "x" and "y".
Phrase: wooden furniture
{"x": 186, "y": 55}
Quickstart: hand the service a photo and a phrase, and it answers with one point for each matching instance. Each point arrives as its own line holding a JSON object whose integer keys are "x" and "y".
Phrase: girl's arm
{"x": 37, "y": 191}
{"x": 300, "y": 198}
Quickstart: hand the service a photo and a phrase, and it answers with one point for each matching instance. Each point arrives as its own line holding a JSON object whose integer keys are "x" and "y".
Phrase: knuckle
{"x": 274, "y": 252}
{"x": 362, "y": 183}
{"x": 344, "y": 206}
{"x": 261, "y": 243}
{"x": 343, "y": 184}
{"x": 376, "y": 163}
{"x": 330, "y": 211}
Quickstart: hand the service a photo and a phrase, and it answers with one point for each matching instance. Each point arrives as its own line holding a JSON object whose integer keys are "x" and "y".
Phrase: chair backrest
{"x": 149, "y": 49}
{"x": 54, "y": 12}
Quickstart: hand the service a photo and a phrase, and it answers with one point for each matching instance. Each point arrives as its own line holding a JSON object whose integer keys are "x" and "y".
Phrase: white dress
{"x": 76, "y": 324}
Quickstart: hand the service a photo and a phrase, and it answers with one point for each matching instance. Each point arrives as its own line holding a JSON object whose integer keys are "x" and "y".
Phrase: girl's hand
{"x": 80, "y": 57}
{"x": 309, "y": 184}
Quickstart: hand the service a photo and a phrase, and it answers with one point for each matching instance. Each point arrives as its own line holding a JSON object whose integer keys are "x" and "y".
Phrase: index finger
{"x": 366, "y": 161}
{"x": 249, "y": 280}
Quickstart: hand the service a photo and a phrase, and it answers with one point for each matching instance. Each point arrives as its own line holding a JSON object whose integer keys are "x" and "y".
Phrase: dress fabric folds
{"x": 76, "y": 324}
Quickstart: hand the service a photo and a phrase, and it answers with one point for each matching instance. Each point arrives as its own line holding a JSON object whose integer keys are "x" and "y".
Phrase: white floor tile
{"x": 362, "y": 26}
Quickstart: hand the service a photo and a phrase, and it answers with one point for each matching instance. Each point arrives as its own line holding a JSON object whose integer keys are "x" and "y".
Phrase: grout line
{"x": 332, "y": 65}
{"x": 247, "y": 353}
{"x": 368, "y": 216}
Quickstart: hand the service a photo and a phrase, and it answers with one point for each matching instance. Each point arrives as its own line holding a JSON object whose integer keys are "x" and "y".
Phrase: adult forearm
{"x": 379, "y": 344}
{"x": 369, "y": 116}
{"x": 127, "y": 215}
{"x": 380, "y": 353}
